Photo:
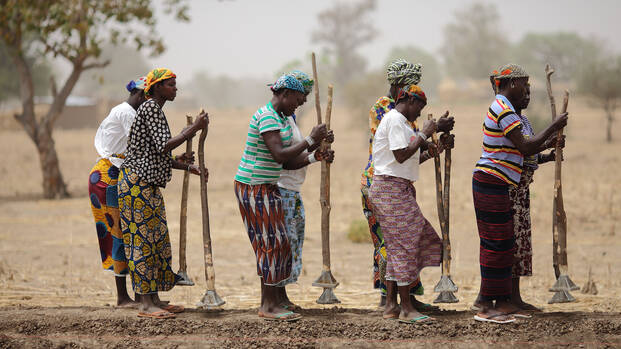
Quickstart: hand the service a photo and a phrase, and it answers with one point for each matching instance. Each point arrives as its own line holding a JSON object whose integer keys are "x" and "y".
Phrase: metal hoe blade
{"x": 561, "y": 290}
{"x": 328, "y": 297}
{"x": 446, "y": 297}
{"x": 328, "y": 282}
{"x": 210, "y": 300}
{"x": 562, "y": 297}
{"x": 185, "y": 279}
{"x": 445, "y": 287}
{"x": 564, "y": 283}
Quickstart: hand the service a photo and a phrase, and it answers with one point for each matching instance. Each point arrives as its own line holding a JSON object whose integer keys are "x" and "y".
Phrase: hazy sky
{"x": 256, "y": 37}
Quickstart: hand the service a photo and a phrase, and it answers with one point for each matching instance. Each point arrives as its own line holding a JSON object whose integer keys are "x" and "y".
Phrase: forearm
{"x": 298, "y": 162}
{"x": 401, "y": 155}
{"x": 533, "y": 145}
{"x": 179, "y": 139}
{"x": 283, "y": 155}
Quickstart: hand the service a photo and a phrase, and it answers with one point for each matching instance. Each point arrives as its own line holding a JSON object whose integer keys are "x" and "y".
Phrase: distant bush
{"x": 359, "y": 231}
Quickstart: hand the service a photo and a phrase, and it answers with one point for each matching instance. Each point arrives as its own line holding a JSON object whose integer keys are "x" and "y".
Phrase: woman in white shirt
{"x": 289, "y": 185}
{"x": 111, "y": 143}
{"x": 411, "y": 242}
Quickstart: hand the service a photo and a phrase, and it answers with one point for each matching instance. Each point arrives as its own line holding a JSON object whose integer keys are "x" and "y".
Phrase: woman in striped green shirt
{"x": 269, "y": 146}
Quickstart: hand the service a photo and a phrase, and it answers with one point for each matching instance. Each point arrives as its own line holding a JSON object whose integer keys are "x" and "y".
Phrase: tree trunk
{"x": 609, "y": 119}
{"x": 53, "y": 185}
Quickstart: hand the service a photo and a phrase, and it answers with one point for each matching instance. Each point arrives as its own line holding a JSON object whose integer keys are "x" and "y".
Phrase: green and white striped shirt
{"x": 257, "y": 166}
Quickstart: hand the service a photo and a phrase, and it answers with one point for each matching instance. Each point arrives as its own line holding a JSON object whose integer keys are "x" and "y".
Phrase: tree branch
{"x": 96, "y": 65}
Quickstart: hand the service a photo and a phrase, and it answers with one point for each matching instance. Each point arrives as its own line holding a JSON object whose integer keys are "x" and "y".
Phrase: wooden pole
{"x": 560, "y": 218}
{"x": 555, "y": 263}
{"x": 325, "y": 279}
{"x": 183, "y": 219}
{"x": 316, "y": 89}
{"x": 439, "y": 197}
{"x": 446, "y": 242}
{"x": 210, "y": 274}
{"x": 325, "y": 192}
{"x": 210, "y": 298}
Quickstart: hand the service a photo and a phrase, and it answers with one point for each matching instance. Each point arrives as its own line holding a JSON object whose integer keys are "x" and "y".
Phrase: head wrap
{"x": 156, "y": 75}
{"x": 507, "y": 71}
{"x": 287, "y": 81}
{"x": 401, "y": 71}
{"x": 411, "y": 91}
{"x": 306, "y": 80}
{"x": 139, "y": 83}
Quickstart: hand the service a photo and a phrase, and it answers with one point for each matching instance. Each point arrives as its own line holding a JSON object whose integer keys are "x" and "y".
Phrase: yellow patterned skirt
{"x": 145, "y": 234}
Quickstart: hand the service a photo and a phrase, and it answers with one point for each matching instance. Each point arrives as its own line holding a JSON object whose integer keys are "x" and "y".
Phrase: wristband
{"x": 310, "y": 141}
{"x": 423, "y": 135}
{"x": 189, "y": 168}
{"x": 311, "y": 158}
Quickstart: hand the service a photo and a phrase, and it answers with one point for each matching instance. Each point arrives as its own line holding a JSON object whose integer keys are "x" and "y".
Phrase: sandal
{"x": 161, "y": 314}
{"x": 286, "y": 316}
{"x": 520, "y": 314}
{"x": 491, "y": 318}
{"x": 423, "y": 318}
{"x": 292, "y": 307}
{"x": 426, "y": 307}
{"x": 174, "y": 308}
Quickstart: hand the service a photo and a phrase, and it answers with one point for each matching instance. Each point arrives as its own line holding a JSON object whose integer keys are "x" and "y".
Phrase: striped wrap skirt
{"x": 494, "y": 213}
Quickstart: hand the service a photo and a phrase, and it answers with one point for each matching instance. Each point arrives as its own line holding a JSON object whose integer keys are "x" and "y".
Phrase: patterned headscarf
{"x": 139, "y": 83}
{"x": 287, "y": 81}
{"x": 507, "y": 71}
{"x": 401, "y": 71}
{"x": 411, "y": 91}
{"x": 306, "y": 80}
{"x": 156, "y": 75}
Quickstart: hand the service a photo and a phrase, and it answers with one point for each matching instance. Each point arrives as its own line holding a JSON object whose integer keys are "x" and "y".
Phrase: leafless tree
{"x": 342, "y": 30}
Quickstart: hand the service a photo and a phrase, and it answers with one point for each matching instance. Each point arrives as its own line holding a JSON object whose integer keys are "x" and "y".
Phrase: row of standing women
{"x": 134, "y": 143}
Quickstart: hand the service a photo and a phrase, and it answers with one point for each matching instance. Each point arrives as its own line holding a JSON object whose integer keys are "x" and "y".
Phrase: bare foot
{"x": 506, "y": 307}
{"x": 391, "y": 311}
{"x": 509, "y": 308}
{"x": 382, "y": 302}
{"x": 277, "y": 313}
{"x": 152, "y": 308}
{"x": 127, "y": 303}
{"x": 420, "y": 306}
{"x": 413, "y": 316}
{"x": 493, "y": 315}
{"x": 526, "y": 306}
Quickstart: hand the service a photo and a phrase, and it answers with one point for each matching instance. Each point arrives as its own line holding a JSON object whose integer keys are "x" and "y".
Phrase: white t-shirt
{"x": 394, "y": 132}
{"x": 293, "y": 179}
{"x": 111, "y": 136}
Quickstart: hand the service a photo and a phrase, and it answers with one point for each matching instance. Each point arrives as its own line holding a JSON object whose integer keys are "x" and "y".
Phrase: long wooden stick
{"x": 446, "y": 242}
{"x": 559, "y": 219}
{"x": 210, "y": 274}
{"x": 325, "y": 192}
{"x": 183, "y": 219}
{"x": 439, "y": 197}
{"x": 316, "y": 78}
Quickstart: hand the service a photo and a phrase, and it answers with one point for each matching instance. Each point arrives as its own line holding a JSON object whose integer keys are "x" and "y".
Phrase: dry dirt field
{"x": 53, "y": 292}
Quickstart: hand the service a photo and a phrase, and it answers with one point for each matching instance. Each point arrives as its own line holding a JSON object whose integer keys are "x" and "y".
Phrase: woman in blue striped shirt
{"x": 499, "y": 169}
